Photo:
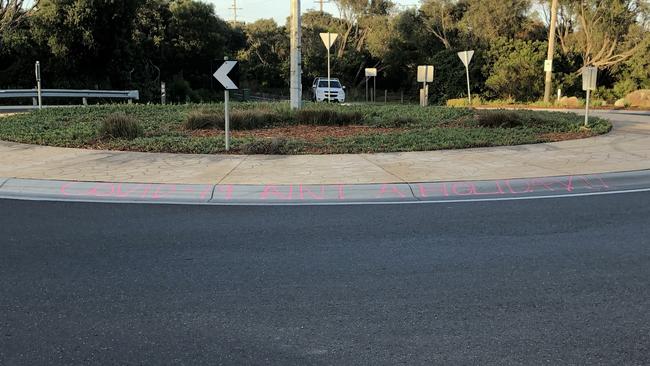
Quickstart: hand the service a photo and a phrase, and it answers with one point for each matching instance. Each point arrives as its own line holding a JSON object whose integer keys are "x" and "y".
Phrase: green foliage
{"x": 120, "y": 126}
{"x": 516, "y": 71}
{"x": 273, "y": 146}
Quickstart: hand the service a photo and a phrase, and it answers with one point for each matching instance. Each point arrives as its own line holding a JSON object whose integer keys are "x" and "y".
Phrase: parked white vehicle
{"x": 324, "y": 91}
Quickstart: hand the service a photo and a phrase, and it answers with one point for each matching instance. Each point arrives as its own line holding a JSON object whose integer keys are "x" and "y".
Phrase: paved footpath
{"x": 626, "y": 148}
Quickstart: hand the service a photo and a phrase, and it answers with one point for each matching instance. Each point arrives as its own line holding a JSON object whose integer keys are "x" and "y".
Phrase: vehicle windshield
{"x": 334, "y": 84}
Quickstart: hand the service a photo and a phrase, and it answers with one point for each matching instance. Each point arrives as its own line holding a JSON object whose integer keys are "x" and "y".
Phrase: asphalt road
{"x": 552, "y": 281}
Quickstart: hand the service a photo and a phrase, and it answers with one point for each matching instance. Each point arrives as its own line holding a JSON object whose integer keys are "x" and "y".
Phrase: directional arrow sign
{"x": 223, "y": 75}
{"x": 466, "y": 57}
{"x": 329, "y": 39}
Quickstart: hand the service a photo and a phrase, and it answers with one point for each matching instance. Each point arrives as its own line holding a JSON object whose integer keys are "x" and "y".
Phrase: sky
{"x": 279, "y": 10}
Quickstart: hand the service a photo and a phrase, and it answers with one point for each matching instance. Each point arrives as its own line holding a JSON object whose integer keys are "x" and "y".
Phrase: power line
{"x": 234, "y": 9}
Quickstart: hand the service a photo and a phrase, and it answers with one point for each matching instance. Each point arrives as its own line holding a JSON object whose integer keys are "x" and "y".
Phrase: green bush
{"x": 515, "y": 71}
{"x": 274, "y": 146}
{"x": 120, "y": 125}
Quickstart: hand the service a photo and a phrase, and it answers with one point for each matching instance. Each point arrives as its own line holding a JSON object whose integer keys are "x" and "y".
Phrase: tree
{"x": 89, "y": 42}
{"x": 515, "y": 71}
{"x": 266, "y": 54}
{"x": 13, "y": 13}
{"x": 439, "y": 19}
{"x": 605, "y": 33}
{"x": 488, "y": 20}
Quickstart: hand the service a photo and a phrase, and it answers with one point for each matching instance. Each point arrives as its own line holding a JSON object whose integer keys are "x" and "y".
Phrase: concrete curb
{"x": 225, "y": 194}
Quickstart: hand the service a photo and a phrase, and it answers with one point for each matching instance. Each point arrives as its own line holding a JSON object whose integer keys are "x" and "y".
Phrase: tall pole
{"x": 226, "y": 99}
{"x": 296, "y": 55}
{"x": 234, "y": 8}
{"x": 38, "y": 84}
{"x": 551, "y": 52}
{"x": 329, "y": 83}
{"x": 587, "y": 108}
{"x": 367, "y": 89}
{"x": 469, "y": 90}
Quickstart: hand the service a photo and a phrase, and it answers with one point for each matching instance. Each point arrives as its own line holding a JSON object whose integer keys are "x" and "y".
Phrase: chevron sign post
{"x": 228, "y": 76}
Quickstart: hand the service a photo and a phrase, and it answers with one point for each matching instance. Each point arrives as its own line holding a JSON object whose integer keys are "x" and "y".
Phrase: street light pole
{"x": 551, "y": 52}
{"x": 296, "y": 55}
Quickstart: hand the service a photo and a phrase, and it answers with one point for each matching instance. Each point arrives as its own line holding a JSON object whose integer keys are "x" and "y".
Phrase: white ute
{"x": 321, "y": 93}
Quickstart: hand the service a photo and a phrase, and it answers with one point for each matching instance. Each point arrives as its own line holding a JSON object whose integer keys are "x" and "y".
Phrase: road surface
{"x": 547, "y": 281}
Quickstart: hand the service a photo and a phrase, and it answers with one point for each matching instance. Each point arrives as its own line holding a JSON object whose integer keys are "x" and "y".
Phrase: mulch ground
{"x": 565, "y": 136}
{"x": 302, "y": 132}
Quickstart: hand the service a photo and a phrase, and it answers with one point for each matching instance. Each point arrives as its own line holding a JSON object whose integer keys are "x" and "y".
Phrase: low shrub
{"x": 251, "y": 119}
{"x": 499, "y": 119}
{"x": 274, "y": 146}
{"x": 463, "y": 102}
{"x": 120, "y": 125}
{"x": 328, "y": 117}
{"x": 202, "y": 120}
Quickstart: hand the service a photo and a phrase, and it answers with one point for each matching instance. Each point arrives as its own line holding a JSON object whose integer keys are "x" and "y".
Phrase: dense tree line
{"x": 136, "y": 44}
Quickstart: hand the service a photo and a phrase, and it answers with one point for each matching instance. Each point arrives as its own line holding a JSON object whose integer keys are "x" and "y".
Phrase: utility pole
{"x": 296, "y": 55}
{"x": 234, "y": 8}
{"x": 551, "y": 52}
{"x": 321, "y": 2}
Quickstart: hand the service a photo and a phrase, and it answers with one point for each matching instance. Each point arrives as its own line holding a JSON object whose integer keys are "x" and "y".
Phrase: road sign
{"x": 228, "y": 75}
{"x": 371, "y": 73}
{"x": 466, "y": 57}
{"x": 548, "y": 65}
{"x": 589, "y": 78}
{"x": 329, "y": 39}
{"x": 425, "y": 74}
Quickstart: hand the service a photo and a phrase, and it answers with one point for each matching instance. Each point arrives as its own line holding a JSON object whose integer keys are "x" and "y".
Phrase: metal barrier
{"x": 68, "y": 93}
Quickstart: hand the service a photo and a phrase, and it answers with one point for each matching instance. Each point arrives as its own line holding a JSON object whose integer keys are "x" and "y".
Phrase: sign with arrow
{"x": 228, "y": 75}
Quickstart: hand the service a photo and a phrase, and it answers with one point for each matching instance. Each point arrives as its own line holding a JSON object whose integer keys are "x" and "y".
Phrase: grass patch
{"x": 197, "y": 128}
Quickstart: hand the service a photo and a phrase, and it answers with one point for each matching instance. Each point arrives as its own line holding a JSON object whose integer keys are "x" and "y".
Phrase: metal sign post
{"x": 466, "y": 58}
{"x": 371, "y": 73}
{"x": 229, "y": 83}
{"x": 328, "y": 40}
{"x": 163, "y": 93}
{"x": 425, "y": 75}
{"x": 589, "y": 81}
{"x": 38, "y": 84}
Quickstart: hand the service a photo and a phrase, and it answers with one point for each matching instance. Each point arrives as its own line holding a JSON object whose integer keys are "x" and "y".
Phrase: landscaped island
{"x": 272, "y": 128}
